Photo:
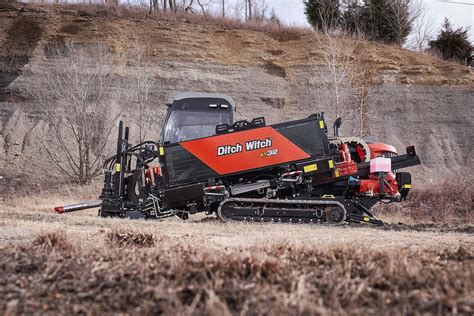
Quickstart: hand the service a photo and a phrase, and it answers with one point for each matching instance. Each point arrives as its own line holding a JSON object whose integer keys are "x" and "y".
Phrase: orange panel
{"x": 245, "y": 150}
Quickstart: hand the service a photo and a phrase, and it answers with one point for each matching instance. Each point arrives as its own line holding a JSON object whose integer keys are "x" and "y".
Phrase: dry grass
{"x": 49, "y": 241}
{"x": 81, "y": 263}
{"x": 50, "y": 197}
{"x": 449, "y": 202}
{"x": 279, "y": 31}
{"x": 129, "y": 238}
{"x": 180, "y": 277}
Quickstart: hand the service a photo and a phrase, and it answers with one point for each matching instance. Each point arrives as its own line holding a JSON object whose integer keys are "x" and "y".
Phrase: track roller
{"x": 335, "y": 214}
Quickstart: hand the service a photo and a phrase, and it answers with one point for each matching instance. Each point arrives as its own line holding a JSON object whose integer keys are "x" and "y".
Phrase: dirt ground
{"x": 80, "y": 263}
{"x": 85, "y": 226}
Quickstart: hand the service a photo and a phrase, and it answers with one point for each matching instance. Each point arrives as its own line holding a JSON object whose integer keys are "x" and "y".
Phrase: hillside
{"x": 418, "y": 100}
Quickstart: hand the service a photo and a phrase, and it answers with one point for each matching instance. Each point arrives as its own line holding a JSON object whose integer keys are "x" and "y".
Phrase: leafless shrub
{"x": 79, "y": 106}
{"x": 422, "y": 33}
{"x": 140, "y": 88}
{"x": 448, "y": 202}
{"x": 124, "y": 238}
{"x": 334, "y": 73}
{"x": 343, "y": 77}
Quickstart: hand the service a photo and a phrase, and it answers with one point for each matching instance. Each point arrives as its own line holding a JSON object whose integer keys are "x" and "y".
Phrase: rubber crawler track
{"x": 274, "y": 210}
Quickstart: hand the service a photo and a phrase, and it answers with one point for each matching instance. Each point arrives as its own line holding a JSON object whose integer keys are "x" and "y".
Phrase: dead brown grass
{"x": 49, "y": 241}
{"x": 128, "y": 238}
{"x": 50, "y": 196}
{"x": 449, "y": 202}
{"x": 279, "y": 31}
{"x": 81, "y": 263}
{"x": 179, "y": 277}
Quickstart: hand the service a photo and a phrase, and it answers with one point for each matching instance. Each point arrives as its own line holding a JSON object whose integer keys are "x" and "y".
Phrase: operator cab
{"x": 196, "y": 115}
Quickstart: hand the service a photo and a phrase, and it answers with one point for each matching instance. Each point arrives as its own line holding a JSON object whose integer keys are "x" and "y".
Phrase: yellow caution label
{"x": 321, "y": 124}
{"x": 328, "y": 196}
{"x": 117, "y": 167}
{"x": 162, "y": 151}
{"x": 331, "y": 164}
{"x": 336, "y": 173}
{"x": 407, "y": 186}
{"x": 366, "y": 219}
{"x": 310, "y": 168}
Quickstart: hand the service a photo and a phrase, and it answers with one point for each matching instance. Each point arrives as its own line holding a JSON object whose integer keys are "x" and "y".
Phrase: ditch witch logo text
{"x": 248, "y": 146}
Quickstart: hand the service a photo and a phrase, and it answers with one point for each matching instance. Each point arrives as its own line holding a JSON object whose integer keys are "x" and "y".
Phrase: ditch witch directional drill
{"x": 249, "y": 171}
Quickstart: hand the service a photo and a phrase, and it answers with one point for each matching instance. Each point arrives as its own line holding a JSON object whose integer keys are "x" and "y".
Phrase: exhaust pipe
{"x": 336, "y": 126}
{"x": 77, "y": 207}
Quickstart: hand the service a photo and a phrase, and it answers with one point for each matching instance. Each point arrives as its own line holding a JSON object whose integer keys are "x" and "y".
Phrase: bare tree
{"x": 402, "y": 17}
{"x": 153, "y": 6}
{"x": 260, "y": 11}
{"x": 334, "y": 75}
{"x": 248, "y": 4}
{"x": 422, "y": 32}
{"x": 246, "y": 10}
{"x": 250, "y": 17}
{"x": 237, "y": 8}
{"x": 361, "y": 81}
{"x": 140, "y": 88}
{"x": 189, "y": 7}
{"x": 342, "y": 76}
{"x": 79, "y": 107}
{"x": 201, "y": 5}
{"x": 172, "y": 5}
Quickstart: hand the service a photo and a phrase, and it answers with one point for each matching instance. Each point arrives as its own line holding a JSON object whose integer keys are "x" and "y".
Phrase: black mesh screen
{"x": 306, "y": 135}
{"x": 184, "y": 167}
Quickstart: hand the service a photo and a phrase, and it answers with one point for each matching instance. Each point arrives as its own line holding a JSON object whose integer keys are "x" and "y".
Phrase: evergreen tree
{"x": 453, "y": 43}
{"x": 354, "y": 19}
{"x": 388, "y": 21}
{"x": 385, "y": 21}
{"x": 323, "y": 14}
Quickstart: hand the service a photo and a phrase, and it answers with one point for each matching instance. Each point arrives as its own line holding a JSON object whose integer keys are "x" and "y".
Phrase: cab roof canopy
{"x": 193, "y": 95}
